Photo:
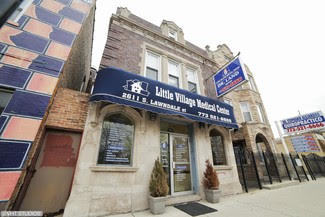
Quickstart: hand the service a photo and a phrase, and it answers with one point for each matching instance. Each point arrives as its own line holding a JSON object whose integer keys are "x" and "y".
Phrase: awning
{"x": 126, "y": 88}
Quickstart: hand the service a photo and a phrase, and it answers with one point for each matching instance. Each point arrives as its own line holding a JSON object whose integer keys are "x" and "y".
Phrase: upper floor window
{"x": 174, "y": 74}
{"x": 18, "y": 13}
{"x": 5, "y": 96}
{"x": 152, "y": 68}
{"x": 218, "y": 148}
{"x": 260, "y": 112}
{"x": 192, "y": 80}
{"x": 251, "y": 83}
{"x": 116, "y": 141}
{"x": 172, "y": 33}
{"x": 244, "y": 106}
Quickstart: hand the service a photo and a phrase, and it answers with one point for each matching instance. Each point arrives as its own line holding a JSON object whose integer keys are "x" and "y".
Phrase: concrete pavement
{"x": 303, "y": 200}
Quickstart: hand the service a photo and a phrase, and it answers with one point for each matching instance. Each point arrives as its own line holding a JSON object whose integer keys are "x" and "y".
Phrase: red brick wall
{"x": 69, "y": 110}
{"x": 123, "y": 49}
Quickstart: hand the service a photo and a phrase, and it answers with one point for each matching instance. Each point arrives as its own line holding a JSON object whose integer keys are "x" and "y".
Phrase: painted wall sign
{"x": 118, "y": 86}
{"x": 230, "y": 77}
{"x": 305, "y": 143}
{"x": 304, "y": 123}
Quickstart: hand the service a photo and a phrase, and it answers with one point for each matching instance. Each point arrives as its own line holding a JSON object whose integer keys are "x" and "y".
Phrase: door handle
{"x": 174, "y": 165}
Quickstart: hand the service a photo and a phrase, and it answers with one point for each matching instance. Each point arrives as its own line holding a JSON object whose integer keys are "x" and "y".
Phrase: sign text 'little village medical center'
{"x": 183, "y": 99}
{"x": 127, "y": 88}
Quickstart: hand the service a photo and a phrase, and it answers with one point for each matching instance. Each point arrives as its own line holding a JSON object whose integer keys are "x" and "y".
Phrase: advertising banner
{"x": 126, "y": 88}
{"x": 303, "y": 123}
{"x": 230, "y": 77}
{"x": 305, "y": 143}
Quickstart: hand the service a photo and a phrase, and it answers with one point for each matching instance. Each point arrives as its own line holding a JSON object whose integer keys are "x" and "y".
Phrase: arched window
{"x": 116, "y": 141}
{"x": 218, "y": 148}
{"x": 261, "y": 145}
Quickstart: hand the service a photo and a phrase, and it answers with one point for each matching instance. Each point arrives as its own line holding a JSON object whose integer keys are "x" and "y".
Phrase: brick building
{"x": 151, "y": 65}
{"x": 45, "y": 55}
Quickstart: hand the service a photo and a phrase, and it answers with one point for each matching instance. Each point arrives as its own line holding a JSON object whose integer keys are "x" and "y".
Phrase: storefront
{"x": 132, "y": 121}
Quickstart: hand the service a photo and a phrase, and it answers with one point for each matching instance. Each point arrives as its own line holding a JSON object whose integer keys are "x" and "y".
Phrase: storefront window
{"x": 116, "y": 141}
{"x": 218, "y": 149}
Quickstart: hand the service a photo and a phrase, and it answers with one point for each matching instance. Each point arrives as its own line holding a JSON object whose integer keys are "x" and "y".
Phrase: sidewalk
{"x": 303, "y": 200}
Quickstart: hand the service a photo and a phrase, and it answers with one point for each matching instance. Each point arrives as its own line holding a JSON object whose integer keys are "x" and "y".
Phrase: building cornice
{"x": 132, "y": 23}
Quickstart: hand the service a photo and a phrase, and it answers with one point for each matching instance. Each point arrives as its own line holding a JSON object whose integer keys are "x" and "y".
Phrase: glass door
{"x": 165, "y": 156}
{"x": 180, "y": 164}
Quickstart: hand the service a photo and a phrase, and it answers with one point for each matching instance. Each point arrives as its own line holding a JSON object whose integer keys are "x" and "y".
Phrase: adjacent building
{"x": 254, "y": 133}
{"x": 45, "y": 50}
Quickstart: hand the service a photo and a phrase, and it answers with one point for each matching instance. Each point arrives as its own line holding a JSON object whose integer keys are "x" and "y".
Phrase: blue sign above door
{"x": 230, "y": 77}
{"x": 126, "y": 88}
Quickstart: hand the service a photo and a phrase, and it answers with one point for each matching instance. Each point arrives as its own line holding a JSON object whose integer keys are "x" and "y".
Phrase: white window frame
{"x": 172, "y": 33}
{"x": 19, "y": 12}
{"x": 260, "y": 112}
{"x": 195, "y": 81}
{"x": 251, "y": 83}
{"x": 179, "y": 76}
{"x": 249, "y": 110}
{"x": 146, "y": 63}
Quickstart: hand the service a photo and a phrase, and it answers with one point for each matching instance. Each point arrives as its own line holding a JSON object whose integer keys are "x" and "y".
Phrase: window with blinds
{"x": 244, "y": 106}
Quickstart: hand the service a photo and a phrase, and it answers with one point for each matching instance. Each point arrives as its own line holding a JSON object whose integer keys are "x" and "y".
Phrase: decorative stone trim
{"x": 222, "y": 167}
{"x": 97, "y": 168}
{"x": 127, "y": 111}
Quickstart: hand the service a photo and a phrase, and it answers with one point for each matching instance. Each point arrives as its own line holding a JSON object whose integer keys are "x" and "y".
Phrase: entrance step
{"x": 182, "y": 199}
{"x": 280, "y": 185}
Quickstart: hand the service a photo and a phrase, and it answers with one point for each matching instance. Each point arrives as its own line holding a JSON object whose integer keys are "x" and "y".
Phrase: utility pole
{"x": 281, "y": 136}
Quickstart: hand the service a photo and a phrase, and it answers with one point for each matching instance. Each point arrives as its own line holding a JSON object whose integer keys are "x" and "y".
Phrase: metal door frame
{"x": 171, "y": 157}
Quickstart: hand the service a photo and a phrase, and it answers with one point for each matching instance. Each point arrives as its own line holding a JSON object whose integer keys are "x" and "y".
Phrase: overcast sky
{"x": 281, "y": 41}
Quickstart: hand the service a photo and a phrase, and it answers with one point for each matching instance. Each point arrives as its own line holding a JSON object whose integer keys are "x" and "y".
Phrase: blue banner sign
{"x": 304, "y": 123}
{"x": 118, "y": 86}
{"x": 230, "y": 77}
